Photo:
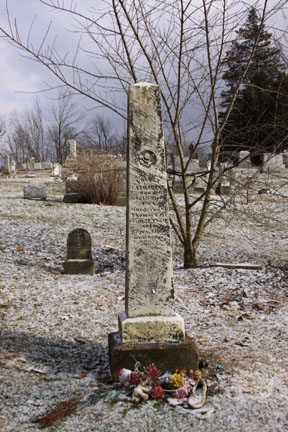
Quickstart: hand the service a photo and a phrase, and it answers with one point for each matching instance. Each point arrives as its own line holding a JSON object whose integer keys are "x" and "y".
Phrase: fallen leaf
{"x": 57, "y": 413}
{"x": 10, "y": 356}
{"x": 39, "y": 371}
{"x": 19, "y": 249}
{"x": 80, "y": 340}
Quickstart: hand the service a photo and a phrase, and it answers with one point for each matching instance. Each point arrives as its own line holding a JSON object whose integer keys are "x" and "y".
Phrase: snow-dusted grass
{"x": 54, "y": 327}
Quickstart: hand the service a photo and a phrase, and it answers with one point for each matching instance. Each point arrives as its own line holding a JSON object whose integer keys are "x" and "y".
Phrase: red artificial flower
{"x": 157, "y": 392}
{"x": 152, "y": 375}
{"x": 135, "y": 378}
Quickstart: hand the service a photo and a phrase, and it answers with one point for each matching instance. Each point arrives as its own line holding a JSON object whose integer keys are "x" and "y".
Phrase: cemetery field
{"x": 54, "y": 327}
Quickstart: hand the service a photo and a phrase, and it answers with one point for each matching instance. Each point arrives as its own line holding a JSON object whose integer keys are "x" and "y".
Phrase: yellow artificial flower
{"x": 176, "y": 381}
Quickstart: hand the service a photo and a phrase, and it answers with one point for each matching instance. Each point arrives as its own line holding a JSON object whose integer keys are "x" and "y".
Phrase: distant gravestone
{"x": 7, "y": 164}
{"x": 79, "y": 253}
{"x": 273, "y": 163}
{"x": 46, "y": 165}
{"x": 34, "y": 192}
{"x": 244, "y": 159}
{"x": 71, "y": 147}
{"x": 13, "y": 169}
{"x": 225, "y": 187}
{"x": 56, "y": 170}
{"x": 31, "y": 168}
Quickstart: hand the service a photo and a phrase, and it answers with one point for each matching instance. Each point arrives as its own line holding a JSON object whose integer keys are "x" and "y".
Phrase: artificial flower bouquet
{"x": 186, "y": 388}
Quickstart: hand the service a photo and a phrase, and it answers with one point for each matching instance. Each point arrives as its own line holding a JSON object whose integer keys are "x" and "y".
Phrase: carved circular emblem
{"x": 147, "y": 158}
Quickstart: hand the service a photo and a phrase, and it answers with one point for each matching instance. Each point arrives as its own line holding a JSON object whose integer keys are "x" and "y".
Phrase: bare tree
{"x": 177, "y": 44}
{"x": 65, "y": 125}
{"x": 101, "y": 135}
{"x": 3, "y": 149}
{"x": 26, "y": 137}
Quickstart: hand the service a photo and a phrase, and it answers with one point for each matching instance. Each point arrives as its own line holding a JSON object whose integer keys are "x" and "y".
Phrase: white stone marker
{"x": 13, "y": 169}
{"x": 7, "y": 163}
{"x": 149, "y": 306}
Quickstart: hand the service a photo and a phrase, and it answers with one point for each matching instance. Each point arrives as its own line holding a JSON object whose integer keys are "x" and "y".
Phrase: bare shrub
{"x": 99, "y": 177}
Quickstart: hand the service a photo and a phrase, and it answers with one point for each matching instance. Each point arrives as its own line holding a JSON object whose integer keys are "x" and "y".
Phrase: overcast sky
{"x": 20, "y": 77}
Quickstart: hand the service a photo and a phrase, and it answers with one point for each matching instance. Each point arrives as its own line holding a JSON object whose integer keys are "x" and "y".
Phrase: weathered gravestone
{"x": 31, "y": 168}
{"x": 149, "y": 323}
{"x": 71, "y": 146}
{"x": 7, "y": 164}
{"x": 56, "y": 170}
{"x": 34, "y": 192}
{"x": 79, "y": 253}
{"x": 13, "y": 169}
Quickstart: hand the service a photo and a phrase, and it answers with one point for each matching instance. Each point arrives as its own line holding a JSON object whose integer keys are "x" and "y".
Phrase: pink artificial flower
{"x": 183, "y": 392}
{"x": 157, "y": 392}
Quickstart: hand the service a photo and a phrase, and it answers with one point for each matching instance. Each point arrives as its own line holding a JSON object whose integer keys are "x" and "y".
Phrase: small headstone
{"x": 46, "y": 165}
{"x": 13, "y": 169}
{"x": 224, "y": 187}
{"x": 31, "y": 168}
{"x": 37, "y": 166}
{"x": 200, "y": 184}
{"x": 79, "y": 253}
{"x": 56, "y": 171}
{"x": 34, "y": 192}
{"x": 244, "y": 159}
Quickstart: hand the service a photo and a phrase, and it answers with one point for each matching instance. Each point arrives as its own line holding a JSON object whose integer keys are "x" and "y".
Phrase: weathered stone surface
{"x": 79, "y": 244}
{"x": 79, "y": 266}
{"x": 73, "y": 198}
{"x": 244, "y": 158}
{"x": 151, "y": 328}
{"x": 149, "y": 287}
{"x": 149, "y": 320}
{"x": 46, "y": 165}
{"x": 35, "y": 192}
{"x": 79, "y": 253}
{"x": 13, "y": 169}
{"x": 7, "y": 163}
{"x": 31, "y": 168}
{"x": 56, "y": 170}
{"x": 273, "y": 163}
{"x": 165, "y": 355}
{"x": 71, "y": 146}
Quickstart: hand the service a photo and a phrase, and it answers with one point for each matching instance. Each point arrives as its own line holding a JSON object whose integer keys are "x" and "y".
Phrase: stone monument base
{"x": 150, "y": 328}
{"x": 73, "y": 198}
{"x": 79, "y": 266}
{"x": 166, "y": 356}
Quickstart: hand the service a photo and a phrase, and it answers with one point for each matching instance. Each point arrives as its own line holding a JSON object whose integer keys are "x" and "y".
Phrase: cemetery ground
{"x": 54, "y": 327}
